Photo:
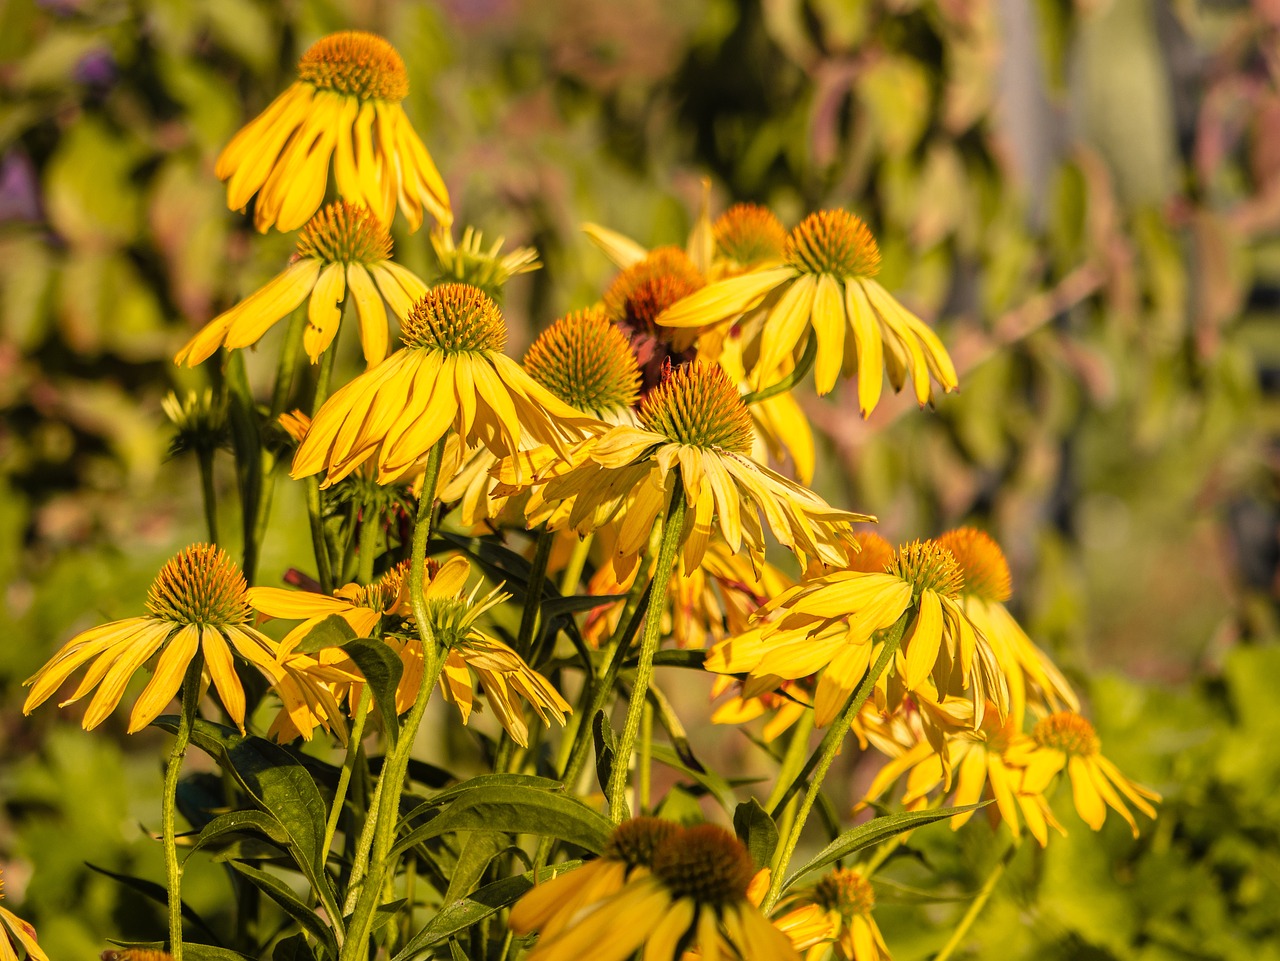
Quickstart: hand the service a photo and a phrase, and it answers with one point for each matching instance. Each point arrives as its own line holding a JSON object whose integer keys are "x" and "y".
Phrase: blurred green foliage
{"x": 1085, "y": 196}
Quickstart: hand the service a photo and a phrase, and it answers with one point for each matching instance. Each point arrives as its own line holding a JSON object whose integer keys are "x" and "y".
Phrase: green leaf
{"x": 517, "y": 810}
{"x": 606, "y": 742}
{"x": 455, "y": 951}
{"x": 457, "y": 916}
{"x": 714, "y": 784}
{"x": 756, "y": 830}
{"x": 554, "y": 607}
{"x": 381, "y": 668}
{"x": 333, "y": 631}
{"x": 478, "y": 850}
{"x": 154, "y": 892}
{"x": 692, "y": 659}
{"x": 208, "y": 952}
{"x": 293, "y": 948}
{"x": 874, "y": 832}
{"x": 283, "y": 895}
{"x": 240, "y": 822}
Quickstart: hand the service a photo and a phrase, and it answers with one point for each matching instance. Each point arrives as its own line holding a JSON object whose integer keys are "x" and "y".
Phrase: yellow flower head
{"x": 451, "y": 374}
{"x": 470, "y": 263}
{"x": 825, "y": 287}
{"x": 197, "y": 603}
{"x": 848, "y": 900}
{"x": 17, "y": 935}
{"x": 691, "y": 896}
{"x": 343, "y": 250}
{"x": 1031, "y": 676}
{"x": 639, "y": 295}
{"x": 746, "y": 236}
{"x": 503, "y": 674}
{"x": 344, "y": 107}
{"x": 693, "y": 427}
{"x": 1066, "y": 741}
{"x": 828, "y": 625}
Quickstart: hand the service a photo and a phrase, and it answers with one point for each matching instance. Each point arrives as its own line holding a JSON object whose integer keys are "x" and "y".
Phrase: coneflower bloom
{"x": 1065, "y": 741}
{"x": 693, "y": 427}
{"x": 343, "y": 251}
{"x": 585, "y": 361}
{"x": 344, "y": 107}
{"x": 450, "y": 375}
{"x": 692, "y": 896}
{"x": 987, "y": 585}
{"x": 828, "y": 626}
{"x": 981, "y": 761}
{"x": 825, "y": 287}
{"x": 17, "y": 935}
{"x": 469, "y": 263}
{"x": 504, "y": 676}
{"x": 639, "y": 295}
{"x": 847, "y": 898}
{"x": 197, "y": 603}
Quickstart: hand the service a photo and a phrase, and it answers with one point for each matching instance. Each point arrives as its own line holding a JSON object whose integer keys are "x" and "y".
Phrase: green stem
{"x": 364, "y": 844}
{"x": 984, "y": 895}
{"x": 315, "y": 518}
{"x": 577, "y": 561}
{"x": 324, "y": 375}
{"x": 672, "y": 529}
{"x": 210, "y": 494}
{"x": 646, "y": 755}
{"x": 246, "y": 437}
{"x": 287, "y": 370}
{"x": 533, "y": 593}
{"x": 791, "y": 760}
{"x": 172, "y": 869}
{"x": 830, "y": 748}
{"x": 368, "y": 544}
{"x": 348, "y": 762}
{"x": 396, "y": 763}
{"x": 798, "y": 373}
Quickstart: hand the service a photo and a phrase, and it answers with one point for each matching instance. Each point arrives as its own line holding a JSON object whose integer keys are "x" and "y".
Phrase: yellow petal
{"x": 167, "y": 679}
{"x": 725, "y": 298}
{"x": 786, "y": 323}
{"x": 866, "y": 336}
{"x": 323, "y": 313}
{"x": 371, "y": 313}
{"x": 828, "y": 327}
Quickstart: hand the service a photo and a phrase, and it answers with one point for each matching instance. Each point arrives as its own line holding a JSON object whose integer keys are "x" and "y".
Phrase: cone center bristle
{"x": 356, "y": 64}
{"x": 587, "y": 362}
{"x": 697, "y": 404}
{"x": 1067, "y": 732}
{"x": 706, "y": 864}
{"x": 200, "y": 585}
{"x": 833, "y": 242}
{"x": 983, "y": 564}
{"x": 846, "y": 892}
{"x": 643, "y": 291}
{"x": 635, "y": 841}
{"x": 928, "y": 566}
{"x": 456, "y": 318}
{"x": 345, "y": 233}
{"x": 748, "y": 234}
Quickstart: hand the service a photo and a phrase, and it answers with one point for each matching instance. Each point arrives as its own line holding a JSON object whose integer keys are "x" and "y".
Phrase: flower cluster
{"x": 525, "y": 538}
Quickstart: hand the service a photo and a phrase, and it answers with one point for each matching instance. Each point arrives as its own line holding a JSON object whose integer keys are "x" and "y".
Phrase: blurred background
{"x": 1083, "y": 196}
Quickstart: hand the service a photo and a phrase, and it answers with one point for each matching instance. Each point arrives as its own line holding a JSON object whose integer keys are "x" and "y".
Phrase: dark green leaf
{"x": 691, "y": 658}
{"x": 457, "y": 916}
{"x": 207, "y": 952}
{"x": 557, "y": 606}
{"x": 154, "y": 892}
{"x": 455, "y": 951}
{"x": 606, "y": 742}
{"x": 756, "y": 830}
{"x": 874, "y": 832}
{"x": 517, "y": 810}
{"x": 333, "y": 631}
{"x": 478, "y": 850}
{"x": 715, "y": 785}
{"x": 381, "y": 668}
{"x": 293, "y": 948}
{"x": 240, "y": 822}
{"x": 485, "y": 781}
{"x": 283, "y": 895}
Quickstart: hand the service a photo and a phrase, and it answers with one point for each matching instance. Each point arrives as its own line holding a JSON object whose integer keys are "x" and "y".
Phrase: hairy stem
{"x": 172, "y": 869}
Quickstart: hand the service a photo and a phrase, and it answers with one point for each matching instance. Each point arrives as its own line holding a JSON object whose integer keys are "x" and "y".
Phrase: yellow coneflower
{"x": 503, "y": 674}
{"x": 343, "y": 249}
{"x": 828, "y": 626}
{"x": 847, "y": 898}
{"x": 17, "y": 935}
{"x": 197, "y": 603}
{"x": 692, "y": 896}
{"x": 825, "y": 287}
{"x": 987, "y": 584}
{"x": 693, "y": 427}
{"x": 470, "y": 263}
{"x": 344, "y": 106}
{"x": 450, "y": 375}
{"x": 981, "y": 761}
{"x": 553, "y": 905}
{"x": 747, "y": 236}
{"x": 585, "y": 361}
{"x": 1066, "y": 741}
{"x": 639, "y": 295}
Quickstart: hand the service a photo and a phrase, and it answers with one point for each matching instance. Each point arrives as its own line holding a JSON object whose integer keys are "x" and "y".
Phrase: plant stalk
{"x": 172, "y": 869}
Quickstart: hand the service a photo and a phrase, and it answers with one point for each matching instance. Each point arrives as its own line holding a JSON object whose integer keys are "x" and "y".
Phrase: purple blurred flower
{"x": 97, "y": 69}
{"x": 19, "y": 193}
